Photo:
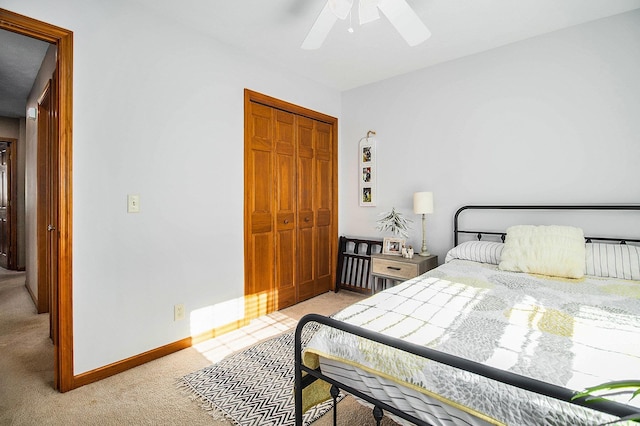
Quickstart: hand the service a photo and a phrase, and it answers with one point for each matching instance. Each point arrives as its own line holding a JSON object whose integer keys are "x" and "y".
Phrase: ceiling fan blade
{"x": 368, "y": 11}
{"x": 340, "y": 8}
{"x": 405, "y": 20}
{"x": 320, "y": 29}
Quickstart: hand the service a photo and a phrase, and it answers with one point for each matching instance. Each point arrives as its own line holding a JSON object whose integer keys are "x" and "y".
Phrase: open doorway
{"x": 9, "y": 200}
{"x": 60, "y": 262}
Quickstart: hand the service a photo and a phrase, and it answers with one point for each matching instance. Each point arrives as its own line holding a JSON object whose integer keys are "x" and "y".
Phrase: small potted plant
{"x": 395, "y": 222}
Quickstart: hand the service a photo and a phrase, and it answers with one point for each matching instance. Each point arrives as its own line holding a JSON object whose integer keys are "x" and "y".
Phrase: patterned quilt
{"x": 572, "y": 333}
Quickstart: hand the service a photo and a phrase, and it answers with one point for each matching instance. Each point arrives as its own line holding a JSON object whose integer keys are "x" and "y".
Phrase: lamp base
{"x": 425, "y": 253}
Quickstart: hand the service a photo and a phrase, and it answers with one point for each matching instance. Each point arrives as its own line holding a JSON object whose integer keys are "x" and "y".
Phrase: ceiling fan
{"x": 398, "y": 12}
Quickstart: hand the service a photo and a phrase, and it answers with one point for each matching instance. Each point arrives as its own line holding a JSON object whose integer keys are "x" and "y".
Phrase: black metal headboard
{"x": 457, "y": 231}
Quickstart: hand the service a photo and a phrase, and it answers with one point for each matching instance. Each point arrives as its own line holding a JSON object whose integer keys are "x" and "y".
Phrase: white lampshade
{"x": 422, "y": 202}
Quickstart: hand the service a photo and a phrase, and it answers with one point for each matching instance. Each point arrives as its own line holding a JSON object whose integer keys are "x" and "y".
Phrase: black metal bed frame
{"x": 526, "y": 383}
{"x": 479, "y": 234}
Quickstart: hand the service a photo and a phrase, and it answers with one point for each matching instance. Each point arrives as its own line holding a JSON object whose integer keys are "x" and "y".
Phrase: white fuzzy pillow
{"x": 553, "y": 250}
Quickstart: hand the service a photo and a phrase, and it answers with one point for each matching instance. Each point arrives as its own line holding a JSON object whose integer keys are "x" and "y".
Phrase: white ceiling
{"x": 274, "y": 30}
{"x": 20, "y": 60}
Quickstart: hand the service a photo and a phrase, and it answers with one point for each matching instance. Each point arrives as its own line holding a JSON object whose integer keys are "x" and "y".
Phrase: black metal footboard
{"x": 532, "y": 385}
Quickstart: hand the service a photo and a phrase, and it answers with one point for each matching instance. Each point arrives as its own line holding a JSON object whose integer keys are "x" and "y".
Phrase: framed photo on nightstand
{"x": 392, "y": 246}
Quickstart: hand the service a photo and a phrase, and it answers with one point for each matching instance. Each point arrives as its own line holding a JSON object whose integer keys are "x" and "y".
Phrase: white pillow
{"x": 477, "y": 251}
{"x": 613, "y": 260}
{"x": 553, "y": 250}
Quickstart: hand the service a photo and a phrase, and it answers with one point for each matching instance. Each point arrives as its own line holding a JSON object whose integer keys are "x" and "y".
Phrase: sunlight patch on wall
{"x": 210, "y": 317}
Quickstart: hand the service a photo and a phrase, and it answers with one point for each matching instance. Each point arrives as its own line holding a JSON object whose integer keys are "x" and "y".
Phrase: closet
{"x": 290, "y": 214}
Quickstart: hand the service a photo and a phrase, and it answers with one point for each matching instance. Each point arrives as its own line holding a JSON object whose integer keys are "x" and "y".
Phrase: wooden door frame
{"x": 13, "y": 207}
{"x": 12, "y": 210}
{"x": 64, "y": 379}
{"x": 251, "y": 96}
{"x": 44, "y": 139}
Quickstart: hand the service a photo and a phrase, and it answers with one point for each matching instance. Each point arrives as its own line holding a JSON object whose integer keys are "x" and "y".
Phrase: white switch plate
{"x": 133, "y": 203}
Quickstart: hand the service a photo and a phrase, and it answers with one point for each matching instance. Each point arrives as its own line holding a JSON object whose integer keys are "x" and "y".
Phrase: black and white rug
{"x": 255, "y": 386}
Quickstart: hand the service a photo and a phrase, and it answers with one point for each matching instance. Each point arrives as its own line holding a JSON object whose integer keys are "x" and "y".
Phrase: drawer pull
{"x": 306, "y": 219}
{"x": 395, "y": 268}
{"x": 286, "y": 221}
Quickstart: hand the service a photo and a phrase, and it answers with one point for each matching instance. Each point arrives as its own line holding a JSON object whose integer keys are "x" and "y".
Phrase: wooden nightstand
{"x": 399, "y": 268}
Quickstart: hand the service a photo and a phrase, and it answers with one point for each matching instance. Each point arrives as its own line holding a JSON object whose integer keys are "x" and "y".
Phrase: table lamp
{"x": 423, "y": 204}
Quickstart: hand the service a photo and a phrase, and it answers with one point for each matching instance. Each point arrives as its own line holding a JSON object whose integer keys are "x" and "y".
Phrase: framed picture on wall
{"x": 366, "y": 195}
{"x": 366, "y": 174}
{"x": 366, "y": 154}
{"x": 367, "y": 171}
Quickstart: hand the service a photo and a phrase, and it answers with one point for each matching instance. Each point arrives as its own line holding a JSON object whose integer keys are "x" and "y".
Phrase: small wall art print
{"x": 367, "y": 172}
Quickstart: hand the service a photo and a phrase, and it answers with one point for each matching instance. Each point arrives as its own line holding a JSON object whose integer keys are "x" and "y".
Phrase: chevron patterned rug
{"x": 255, "y": 386}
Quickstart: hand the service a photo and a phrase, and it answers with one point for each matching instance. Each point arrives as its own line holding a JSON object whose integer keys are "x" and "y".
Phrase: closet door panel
{"x": 323, "y": 281}
{"x": 285, "y": 268}
{"x": 262, "y": 272}
{"x": 306, "y": 282}
{"x": 259, "y": 208}
{"x": 285, "y": 223}
{"x": 306, "y": 218}
{"x": 262, "y": 194}
{"x": 323, "y": 201}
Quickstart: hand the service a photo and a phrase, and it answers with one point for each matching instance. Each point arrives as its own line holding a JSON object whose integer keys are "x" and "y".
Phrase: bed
{"x": 492, "y": 336}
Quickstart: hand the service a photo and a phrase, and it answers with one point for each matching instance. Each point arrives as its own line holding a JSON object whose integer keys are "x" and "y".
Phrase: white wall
{"x": 550, "y": 120}
{"x": 158, "y": 111}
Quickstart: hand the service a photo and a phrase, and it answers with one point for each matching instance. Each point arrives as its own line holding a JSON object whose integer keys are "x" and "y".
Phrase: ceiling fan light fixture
{"x": 398, "y": 12}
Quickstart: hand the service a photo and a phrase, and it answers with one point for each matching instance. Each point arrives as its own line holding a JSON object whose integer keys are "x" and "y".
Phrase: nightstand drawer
{"x": 394, "y": 268}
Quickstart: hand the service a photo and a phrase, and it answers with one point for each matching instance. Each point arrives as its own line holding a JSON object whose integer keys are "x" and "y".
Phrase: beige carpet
{"x": 146, "y": 395}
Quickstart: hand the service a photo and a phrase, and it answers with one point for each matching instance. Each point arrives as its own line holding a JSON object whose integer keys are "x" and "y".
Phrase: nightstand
{"x": 397, "y": 268}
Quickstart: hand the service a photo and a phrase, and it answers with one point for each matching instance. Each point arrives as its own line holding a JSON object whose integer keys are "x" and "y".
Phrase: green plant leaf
{"x": 618, "y": 384}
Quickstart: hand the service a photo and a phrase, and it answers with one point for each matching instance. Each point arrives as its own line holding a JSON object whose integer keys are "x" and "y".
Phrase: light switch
{"x": 133, "y": 203}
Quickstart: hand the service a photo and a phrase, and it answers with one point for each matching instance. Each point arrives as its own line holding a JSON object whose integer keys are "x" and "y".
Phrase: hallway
{"x": 26, "y": 364}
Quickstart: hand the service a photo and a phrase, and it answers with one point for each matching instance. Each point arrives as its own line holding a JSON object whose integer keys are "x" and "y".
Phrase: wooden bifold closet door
{"x": 290, "y": 203}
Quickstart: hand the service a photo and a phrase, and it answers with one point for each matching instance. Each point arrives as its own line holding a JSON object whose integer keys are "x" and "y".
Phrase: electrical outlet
{"x": 178, "y": 312}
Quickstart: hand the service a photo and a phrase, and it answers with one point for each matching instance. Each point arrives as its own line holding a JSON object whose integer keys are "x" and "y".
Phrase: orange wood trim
{"x": 219, "y": 331}
{"x": 63, "y": 355}
{"x": 245, "y": 197}
{"x": 334, "y": 207}
{"x": 46, "y": 98}
{"x": 134, "y": 361}
{"x": 30, "y": 27}
{"x": 153, "y": 354}
{"x": 65, "y": 210}
{"x": 251, "y": 96}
